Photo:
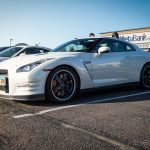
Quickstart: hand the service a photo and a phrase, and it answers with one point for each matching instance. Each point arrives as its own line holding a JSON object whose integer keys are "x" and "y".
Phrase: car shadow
{"x": 101, "y": 94}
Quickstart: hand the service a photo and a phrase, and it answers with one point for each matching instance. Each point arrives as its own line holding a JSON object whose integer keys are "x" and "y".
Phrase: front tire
{"x": 62, "y": 84}
{"x": 145, "y": 77}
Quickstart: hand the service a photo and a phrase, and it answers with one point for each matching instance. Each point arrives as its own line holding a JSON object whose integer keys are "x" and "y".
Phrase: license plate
{"x": 2, "y": 81}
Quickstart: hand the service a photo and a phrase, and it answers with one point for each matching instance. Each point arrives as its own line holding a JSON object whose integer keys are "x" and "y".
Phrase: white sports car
{"x": 76, "y": 65}
{"x": 21, "y": 50}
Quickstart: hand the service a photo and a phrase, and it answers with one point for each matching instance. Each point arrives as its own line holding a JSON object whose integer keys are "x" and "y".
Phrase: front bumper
{"x": 24, "y": 86}
{"x": 23, "y": 97}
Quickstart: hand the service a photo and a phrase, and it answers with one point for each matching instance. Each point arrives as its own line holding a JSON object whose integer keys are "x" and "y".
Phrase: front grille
{"x": 3, "y": 71}
{"x": 5, "y": 88}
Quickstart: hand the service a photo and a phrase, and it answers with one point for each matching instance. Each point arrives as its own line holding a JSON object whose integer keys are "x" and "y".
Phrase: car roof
{"x": 35, "y": 47}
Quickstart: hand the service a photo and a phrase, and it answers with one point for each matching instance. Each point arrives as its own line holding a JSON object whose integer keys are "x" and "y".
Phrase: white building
{"x": 139, "y": 36}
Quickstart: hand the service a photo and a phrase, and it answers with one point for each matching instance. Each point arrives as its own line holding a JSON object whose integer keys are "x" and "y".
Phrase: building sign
{"x": 137, "y": 37}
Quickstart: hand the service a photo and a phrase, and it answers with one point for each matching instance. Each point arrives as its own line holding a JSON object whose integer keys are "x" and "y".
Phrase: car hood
{"x": 27, "y": 59}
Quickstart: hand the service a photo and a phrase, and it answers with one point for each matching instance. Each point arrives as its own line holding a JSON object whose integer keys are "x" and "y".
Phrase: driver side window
{"x": 104, "y": 43}
{"x": 114, "y": 45}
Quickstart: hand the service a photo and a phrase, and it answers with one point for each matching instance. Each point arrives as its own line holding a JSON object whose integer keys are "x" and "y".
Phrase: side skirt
{"x": 110, "y": 87}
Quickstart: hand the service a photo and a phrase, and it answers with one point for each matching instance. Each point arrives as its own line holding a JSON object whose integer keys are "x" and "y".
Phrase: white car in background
{"x": 4, "y": 47}
{"x": 22, "y": 50}
{"x": 76, "y": 65}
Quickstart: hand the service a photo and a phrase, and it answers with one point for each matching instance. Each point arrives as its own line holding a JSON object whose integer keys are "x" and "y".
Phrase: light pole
{"x": 10, "y": 41}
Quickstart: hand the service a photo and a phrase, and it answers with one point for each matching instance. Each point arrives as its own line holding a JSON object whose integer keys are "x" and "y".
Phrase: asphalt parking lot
{"x": 117, "y": 118}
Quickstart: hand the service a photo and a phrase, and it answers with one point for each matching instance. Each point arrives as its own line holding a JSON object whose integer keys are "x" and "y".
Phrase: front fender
{"x": 76, "y": 63}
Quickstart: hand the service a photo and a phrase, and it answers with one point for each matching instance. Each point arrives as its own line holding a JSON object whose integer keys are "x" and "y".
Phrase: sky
{"x": 53, "y": 22}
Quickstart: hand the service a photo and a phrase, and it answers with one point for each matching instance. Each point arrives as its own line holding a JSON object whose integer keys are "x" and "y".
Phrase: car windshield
{"x": 10, "y": 51}
{"x": 3, "y": 48}
{"x": 79, "y": 45}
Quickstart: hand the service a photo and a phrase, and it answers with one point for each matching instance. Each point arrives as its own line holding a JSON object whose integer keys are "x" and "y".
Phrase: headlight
{"x": 29, "y": 67}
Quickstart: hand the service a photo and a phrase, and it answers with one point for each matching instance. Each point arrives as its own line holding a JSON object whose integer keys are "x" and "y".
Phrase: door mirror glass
{"x": 103, "y": 49}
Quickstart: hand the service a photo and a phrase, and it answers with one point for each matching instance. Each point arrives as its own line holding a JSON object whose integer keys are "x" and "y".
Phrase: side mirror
{"x": 103, "y": 49}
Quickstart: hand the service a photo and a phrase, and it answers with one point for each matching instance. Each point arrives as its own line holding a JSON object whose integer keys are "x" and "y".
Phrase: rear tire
{"x": 145, "y": 77}
{"x": 62, "y": 85}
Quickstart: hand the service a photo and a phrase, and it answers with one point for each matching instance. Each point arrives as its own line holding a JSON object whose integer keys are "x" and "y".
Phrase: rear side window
{"x": 130, "y": 47}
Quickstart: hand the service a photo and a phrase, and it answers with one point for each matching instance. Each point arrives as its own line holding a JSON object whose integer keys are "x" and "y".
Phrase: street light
{"x": 10, "y": 41}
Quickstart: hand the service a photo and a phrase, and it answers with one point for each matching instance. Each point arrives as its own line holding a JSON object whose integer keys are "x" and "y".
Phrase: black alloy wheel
{"x": 62, "y": 84}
